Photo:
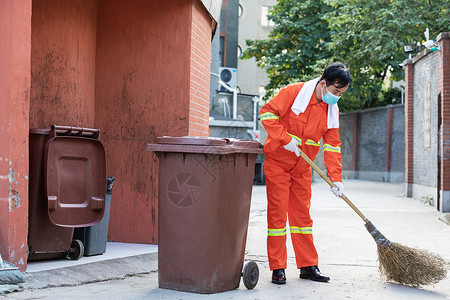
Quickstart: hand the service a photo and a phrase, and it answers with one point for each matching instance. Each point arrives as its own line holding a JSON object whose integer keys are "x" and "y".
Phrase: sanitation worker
{"x": 298, "y": 117}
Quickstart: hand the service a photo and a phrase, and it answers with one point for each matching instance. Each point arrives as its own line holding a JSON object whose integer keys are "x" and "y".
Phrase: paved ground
{"x": 347, "y": 254}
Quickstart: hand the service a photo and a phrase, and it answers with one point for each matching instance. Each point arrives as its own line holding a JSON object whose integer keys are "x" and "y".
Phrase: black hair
{"x": 337, "y": 73}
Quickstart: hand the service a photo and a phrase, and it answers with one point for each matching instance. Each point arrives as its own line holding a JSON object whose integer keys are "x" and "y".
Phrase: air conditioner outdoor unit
{"x": 229, "y": 77}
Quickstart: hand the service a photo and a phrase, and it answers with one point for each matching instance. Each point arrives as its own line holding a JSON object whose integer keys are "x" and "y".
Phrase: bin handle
{"x": 70, "y": 130}
{"x": 228, "y": 141}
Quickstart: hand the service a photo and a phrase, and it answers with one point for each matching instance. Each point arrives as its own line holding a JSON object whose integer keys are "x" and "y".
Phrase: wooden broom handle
{"x": 328, "y": 180}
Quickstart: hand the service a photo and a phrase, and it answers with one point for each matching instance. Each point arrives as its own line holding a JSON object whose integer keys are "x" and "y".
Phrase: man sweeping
{"x": 299, "y": 116}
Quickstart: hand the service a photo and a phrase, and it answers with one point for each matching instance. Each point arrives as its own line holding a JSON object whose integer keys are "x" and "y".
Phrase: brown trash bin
{"x": 205, "y": 187}
{"x": 67, "y": 189}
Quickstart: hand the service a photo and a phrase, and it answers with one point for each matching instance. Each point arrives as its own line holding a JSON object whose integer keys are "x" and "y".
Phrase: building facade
{"x": 253, "y": 24}
{"x": 134, "y": 69}
{"x": 236, "y": 115}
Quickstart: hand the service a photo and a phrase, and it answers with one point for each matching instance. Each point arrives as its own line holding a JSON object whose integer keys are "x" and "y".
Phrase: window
{"x": 264, "y": 19}
{"x": 222, "y": 51}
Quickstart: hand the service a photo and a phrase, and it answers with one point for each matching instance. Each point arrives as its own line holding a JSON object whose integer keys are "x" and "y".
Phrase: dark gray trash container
{"x": 95, "y": 237}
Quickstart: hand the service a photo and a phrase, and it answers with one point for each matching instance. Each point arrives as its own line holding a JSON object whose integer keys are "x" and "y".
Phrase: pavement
{"x": 347, "y": 253}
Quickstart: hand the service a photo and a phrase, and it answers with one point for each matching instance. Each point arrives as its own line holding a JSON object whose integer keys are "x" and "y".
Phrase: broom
{"x": 398, "y": 263}
{"x": 9, "y": 274}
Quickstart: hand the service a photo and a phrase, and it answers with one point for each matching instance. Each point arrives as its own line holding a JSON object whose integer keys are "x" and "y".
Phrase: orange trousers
{"x": 289, "y": 195}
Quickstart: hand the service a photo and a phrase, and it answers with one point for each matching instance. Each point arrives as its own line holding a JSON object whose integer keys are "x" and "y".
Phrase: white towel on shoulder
{"x": 303, "y": 98}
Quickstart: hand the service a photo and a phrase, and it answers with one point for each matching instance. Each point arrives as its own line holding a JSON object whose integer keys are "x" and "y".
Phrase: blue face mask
{"x": 329, "y": 98}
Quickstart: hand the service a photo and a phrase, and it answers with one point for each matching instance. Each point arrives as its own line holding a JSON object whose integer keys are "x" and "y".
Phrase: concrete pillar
{"x": 15, "y": 37}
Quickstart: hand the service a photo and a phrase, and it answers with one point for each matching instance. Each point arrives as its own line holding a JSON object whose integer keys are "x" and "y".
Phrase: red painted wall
{"x": 142, "y": 92}
{"x": 15, "y": 37}
{"x": 63, "y": 63}
{"x": 135, "y": 69}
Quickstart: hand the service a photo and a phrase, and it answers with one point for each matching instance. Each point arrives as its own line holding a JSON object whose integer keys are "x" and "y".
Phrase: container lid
{"x": 75, "y": 181}
{"x": 39, "y": 131}
{"x": 67, "y": 131}
{"x": 210, "y": 145}
{"x": 192, "y": 140}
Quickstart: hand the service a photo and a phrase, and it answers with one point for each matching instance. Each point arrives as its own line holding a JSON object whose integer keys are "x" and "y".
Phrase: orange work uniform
{"x": 288, "y": 177}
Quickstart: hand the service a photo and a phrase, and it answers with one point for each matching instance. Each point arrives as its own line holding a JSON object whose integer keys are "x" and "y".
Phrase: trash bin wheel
{"x": 76, "y": 250}
{"x": 250, "y": 275}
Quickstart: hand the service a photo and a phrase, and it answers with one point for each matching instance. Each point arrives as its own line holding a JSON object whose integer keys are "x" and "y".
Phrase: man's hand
{"x": 339, "y": 190}
{"x": 293, "y": 147}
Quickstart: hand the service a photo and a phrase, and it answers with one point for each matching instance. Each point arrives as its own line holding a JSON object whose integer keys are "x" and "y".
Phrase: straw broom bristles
{"x": 397, "y": 262}
{"x": 406, "y": 265}
{"x": 410, "y": 266}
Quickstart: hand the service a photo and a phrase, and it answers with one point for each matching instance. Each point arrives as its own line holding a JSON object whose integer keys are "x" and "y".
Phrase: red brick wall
{"x": 444, "y": 90}
{"x": 409, "y": 122}
{"x": 442, "y": 75}
{"x": 199, "y": 71}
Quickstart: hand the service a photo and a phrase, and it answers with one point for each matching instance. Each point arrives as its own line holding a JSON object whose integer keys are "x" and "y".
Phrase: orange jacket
{"x": 282, "y": 124}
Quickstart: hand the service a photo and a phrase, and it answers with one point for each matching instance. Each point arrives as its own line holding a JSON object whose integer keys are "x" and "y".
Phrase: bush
{"x": 390, "y": 96}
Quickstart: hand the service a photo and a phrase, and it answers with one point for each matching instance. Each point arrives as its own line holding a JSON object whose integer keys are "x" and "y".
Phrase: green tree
{"x": 297, "y": 41}
{"x": 368, "y": 36}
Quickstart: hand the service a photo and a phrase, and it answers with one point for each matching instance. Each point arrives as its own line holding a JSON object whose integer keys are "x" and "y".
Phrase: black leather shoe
{"x": 313, "y": 273}
{"x": 278, "y": 276}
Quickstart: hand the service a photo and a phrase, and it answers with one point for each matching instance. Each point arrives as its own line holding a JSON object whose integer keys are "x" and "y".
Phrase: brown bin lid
{"x": 192, "y": 140}
{"x": 211, "y": 145}
{"x": 75, "y": 181}
{"x": 39, "y": 131}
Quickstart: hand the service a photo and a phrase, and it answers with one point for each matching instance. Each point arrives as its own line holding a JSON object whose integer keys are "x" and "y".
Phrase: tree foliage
{"x": 368, "y": 36}
{"x": 297, "y": 41}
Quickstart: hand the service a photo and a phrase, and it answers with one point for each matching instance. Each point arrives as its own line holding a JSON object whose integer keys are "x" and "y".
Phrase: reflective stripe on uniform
{"x": 268, "y": 116}
{"x": 328, "y": 147}
{"x": 299, "y": 140}
{"x": 302, "y": 230}
{"x": 312, "y": 143}
{"x": 276, "y": 232}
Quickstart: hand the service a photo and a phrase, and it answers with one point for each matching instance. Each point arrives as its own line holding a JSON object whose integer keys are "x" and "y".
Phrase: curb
{"x": 446, "y": 219}
{"x": 93, "y": 272}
